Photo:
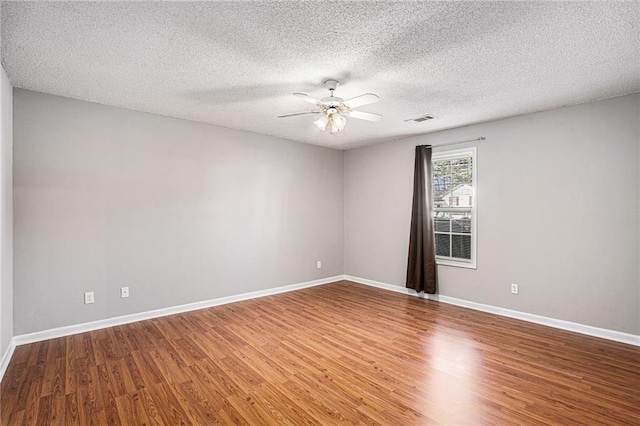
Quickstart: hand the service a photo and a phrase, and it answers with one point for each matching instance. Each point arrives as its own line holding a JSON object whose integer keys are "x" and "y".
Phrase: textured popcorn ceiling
{"x": 236, "y": 64}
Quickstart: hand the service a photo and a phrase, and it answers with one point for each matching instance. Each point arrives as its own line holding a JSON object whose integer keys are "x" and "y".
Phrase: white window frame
{"x": 453, "y": 155}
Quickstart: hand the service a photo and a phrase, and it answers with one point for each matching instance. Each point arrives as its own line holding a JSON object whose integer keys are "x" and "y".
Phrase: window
{"x": 454, "y": 201}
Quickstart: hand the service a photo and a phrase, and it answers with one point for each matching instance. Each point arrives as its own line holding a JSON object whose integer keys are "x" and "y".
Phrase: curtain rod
{"x": 481, "y": 138}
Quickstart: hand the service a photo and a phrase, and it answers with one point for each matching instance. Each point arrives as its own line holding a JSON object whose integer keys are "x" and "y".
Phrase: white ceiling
{"x": 236, "y": 64}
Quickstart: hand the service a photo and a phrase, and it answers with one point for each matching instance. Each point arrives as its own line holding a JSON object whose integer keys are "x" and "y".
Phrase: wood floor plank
{"x": 57, "y": 410}
{"x": 71, "y": 410}
{"x": 199, "y": 402}
{"x": 170, "y": 409}
{"x": 337, "y": 353}
{"x": 273, "y": 396}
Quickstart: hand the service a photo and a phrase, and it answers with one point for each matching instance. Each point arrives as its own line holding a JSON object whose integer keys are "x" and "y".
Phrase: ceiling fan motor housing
{"x": 332, "y": 100}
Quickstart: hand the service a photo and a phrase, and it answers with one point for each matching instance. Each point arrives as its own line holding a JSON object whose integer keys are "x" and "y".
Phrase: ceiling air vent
{"x": 422, "y": 118}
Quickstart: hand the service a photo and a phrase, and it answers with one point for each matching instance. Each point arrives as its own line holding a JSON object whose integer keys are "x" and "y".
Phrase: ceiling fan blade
{"x": 299, "y": 113}
{"x": 369, "y": 116}
{"x": 308, "y": 98}
{"x": 366, "y": 99}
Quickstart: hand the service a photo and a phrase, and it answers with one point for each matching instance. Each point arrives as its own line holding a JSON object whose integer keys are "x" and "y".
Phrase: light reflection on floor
{"x": 450, "y": 388}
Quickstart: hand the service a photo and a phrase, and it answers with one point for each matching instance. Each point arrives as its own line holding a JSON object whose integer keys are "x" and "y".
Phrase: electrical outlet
{"x": 514, "y": 288}
{"x": 124, "y": 292}
{"x": 88, "y": 297}
{"x": 318, "y": 264}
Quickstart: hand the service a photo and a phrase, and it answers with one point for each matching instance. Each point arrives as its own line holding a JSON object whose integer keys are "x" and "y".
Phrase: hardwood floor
{"x": 338, "y": 353}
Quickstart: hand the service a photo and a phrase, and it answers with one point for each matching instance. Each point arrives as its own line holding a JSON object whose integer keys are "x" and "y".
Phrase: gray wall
{"x": 182, "y": 212}
{"x": 558, "y": 213}
{"x": 178, "y": 211}
{"x": 6, "y": 212}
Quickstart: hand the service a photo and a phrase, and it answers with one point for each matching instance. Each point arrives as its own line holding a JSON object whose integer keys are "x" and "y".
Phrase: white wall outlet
{"x": 124, "y": 292}
{"x": 88, "y": 297}
{"x": 514, "y": 288}
{"x": 318, "y": 264}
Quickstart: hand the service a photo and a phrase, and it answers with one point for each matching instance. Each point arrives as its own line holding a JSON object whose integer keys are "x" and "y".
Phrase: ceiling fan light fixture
{"x": 321, "y": 123}
{"x": 337, "y": 122}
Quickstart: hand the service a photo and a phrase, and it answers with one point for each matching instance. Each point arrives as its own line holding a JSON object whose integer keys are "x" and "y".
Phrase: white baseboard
{"x": 383, "y": 286}
{"x": 631, "y": 339}
{"x": 39, "y": 336}
{"x": 6, "y": 357}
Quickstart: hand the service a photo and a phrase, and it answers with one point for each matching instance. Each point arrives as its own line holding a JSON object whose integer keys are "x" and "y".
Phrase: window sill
{"x": 467, "y": 265}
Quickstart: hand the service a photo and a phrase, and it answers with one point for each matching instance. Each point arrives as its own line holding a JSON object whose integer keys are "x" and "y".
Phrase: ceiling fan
{"x": 334, "y": 111}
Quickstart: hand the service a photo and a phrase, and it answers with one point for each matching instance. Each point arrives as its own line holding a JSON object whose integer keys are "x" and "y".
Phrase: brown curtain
{"x": 421, "y": 268}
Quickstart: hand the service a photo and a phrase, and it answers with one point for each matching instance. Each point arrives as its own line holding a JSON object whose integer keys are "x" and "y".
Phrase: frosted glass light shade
{"x": 337, "y": 122}
{"x": 321, "y": 122}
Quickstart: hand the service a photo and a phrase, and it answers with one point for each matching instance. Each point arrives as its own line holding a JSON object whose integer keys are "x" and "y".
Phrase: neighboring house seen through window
{"x": 454, "y": 201}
